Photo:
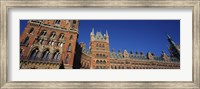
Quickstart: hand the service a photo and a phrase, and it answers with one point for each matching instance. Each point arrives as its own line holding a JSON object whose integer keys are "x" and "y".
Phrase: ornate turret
{"x": 99, "y": 37}
{"x": 106, "y": 36}
{"x": 92, "y": 35}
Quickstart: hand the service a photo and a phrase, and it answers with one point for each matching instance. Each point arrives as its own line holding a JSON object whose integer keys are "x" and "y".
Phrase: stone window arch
{"x": 104, "y": 56}
{"x": 33, "y": 54}
{"x": 53, "y": 34}
{"x": 67, "y": 59}
{"x": 46, "y": 54}
{"x": 56, "y": 56}
{"x": 26, "y": 41}
{"x": 104, "y": 62}
{"x": 71, "y": 37}
{"x": 69, "y": 47}
{"x": 31, "y": 30}
{"x": 57, "y": 22}
{"x": 97, "y": 55}
{"x": 51, "y": 43}
{"x": 97, "y": 62}
{"x": 100, "y": 55}
{"x": 43, "y": 33}
{"x": 21, "y": 52}
{"x": 99, "y": 45}
{"x": 41, "y": 41}
{"x": 101, "y": 61}
{"x": 61, "y": 36}
{"x": 60, "y": 44}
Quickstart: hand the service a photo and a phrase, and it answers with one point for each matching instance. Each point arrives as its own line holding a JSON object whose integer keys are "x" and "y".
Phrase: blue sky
{"x": 132, "y": 35}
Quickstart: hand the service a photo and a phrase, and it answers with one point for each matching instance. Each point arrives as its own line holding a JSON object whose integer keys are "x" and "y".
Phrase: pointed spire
{"x": 168, "y": 36}
{"x": 92, "y": 33}
{"x": 106, "y": 33}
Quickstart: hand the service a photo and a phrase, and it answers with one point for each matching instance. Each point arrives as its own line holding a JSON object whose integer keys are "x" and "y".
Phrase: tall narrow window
{"x": 71, "y": 37}
{"x": 21, "y": 52}
{"x": 56, "y": 56}
{"x": 60, "y": 44}
{"x": 31, "y": 31}
{"x": 97, "y": 62}
{"x": 53, "y": 34}
{"x": 49, "y": 42}
{"x": 57, "y": 22}
{"x": 67, "y": 59}
{"x": 61, "y": 36}
{"x": 26, "y": 41}
{"x": 45, "y": 55}
{"x": 69, "y": 47}
{"x": 52, "y": 43}
{"x": 41, "y": 41}
{"x": 33, "y": 54}
{"x": 43, "y": 33}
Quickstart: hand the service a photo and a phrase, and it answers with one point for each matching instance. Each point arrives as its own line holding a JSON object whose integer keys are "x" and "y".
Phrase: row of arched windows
{"x": 100, "y": 61}
{"x": 100, "y": 45}
{"x": 46, "y": 55}
{"x": 53, "y": 35}
{"x": 25, "y": 41}
{"x": 100, "y": 67}
{"x": 101, "y": 56}
{"x": 57, "y": 22}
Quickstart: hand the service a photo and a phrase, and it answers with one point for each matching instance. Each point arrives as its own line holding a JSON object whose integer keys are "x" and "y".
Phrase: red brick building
{"x": 52, "y": 44}
{"x": 98, "y": 56}
{"x": 48, "y": 43}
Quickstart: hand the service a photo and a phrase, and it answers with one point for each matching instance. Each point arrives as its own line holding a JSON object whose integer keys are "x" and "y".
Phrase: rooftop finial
{"x": 168, "y": 36}
{"x": 92, "y": 33}
{"x": 106, "y": 33}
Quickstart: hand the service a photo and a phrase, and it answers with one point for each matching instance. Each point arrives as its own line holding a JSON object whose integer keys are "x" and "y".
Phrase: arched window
{"x": 104, "y": 62}
{"x": 21, "y": 52}
{"x": 43, "y": 33}
{"x": 101, "y": 61}
{"x": 101, "y": 55}
{"x": 51, "y": 43}
{"x": 97, "y": 62}
{"x": 45, "y": 55}
{"x": 26, "y": 41}
{"x": 71, "y": 37}
{"x": 61, "y": 36}
{"x": 31, "y": 30}
{"x": 99, "y": 45}
{"x": 67, "y": 59}
{"x": 104, "y": 56}
{"x": 41, "y": 41}
{"x": 56, "y": 56}
{"x": 103, "y": 45}
{"x": 74, "y": 21}
{"x": 60, "y": 44}
{"x": 57, "y": 22}
{"x": 69, "y": 47}
{"x": 53, "y": 35}
{"x": 34, "y": 53}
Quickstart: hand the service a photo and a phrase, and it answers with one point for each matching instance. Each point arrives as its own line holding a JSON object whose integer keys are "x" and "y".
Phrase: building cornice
{"x": 54, "y": 27}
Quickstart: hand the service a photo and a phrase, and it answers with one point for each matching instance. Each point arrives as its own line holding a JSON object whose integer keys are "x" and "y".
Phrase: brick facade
{"x": 52, "y": 44}
{"x": 48, "y": 42}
